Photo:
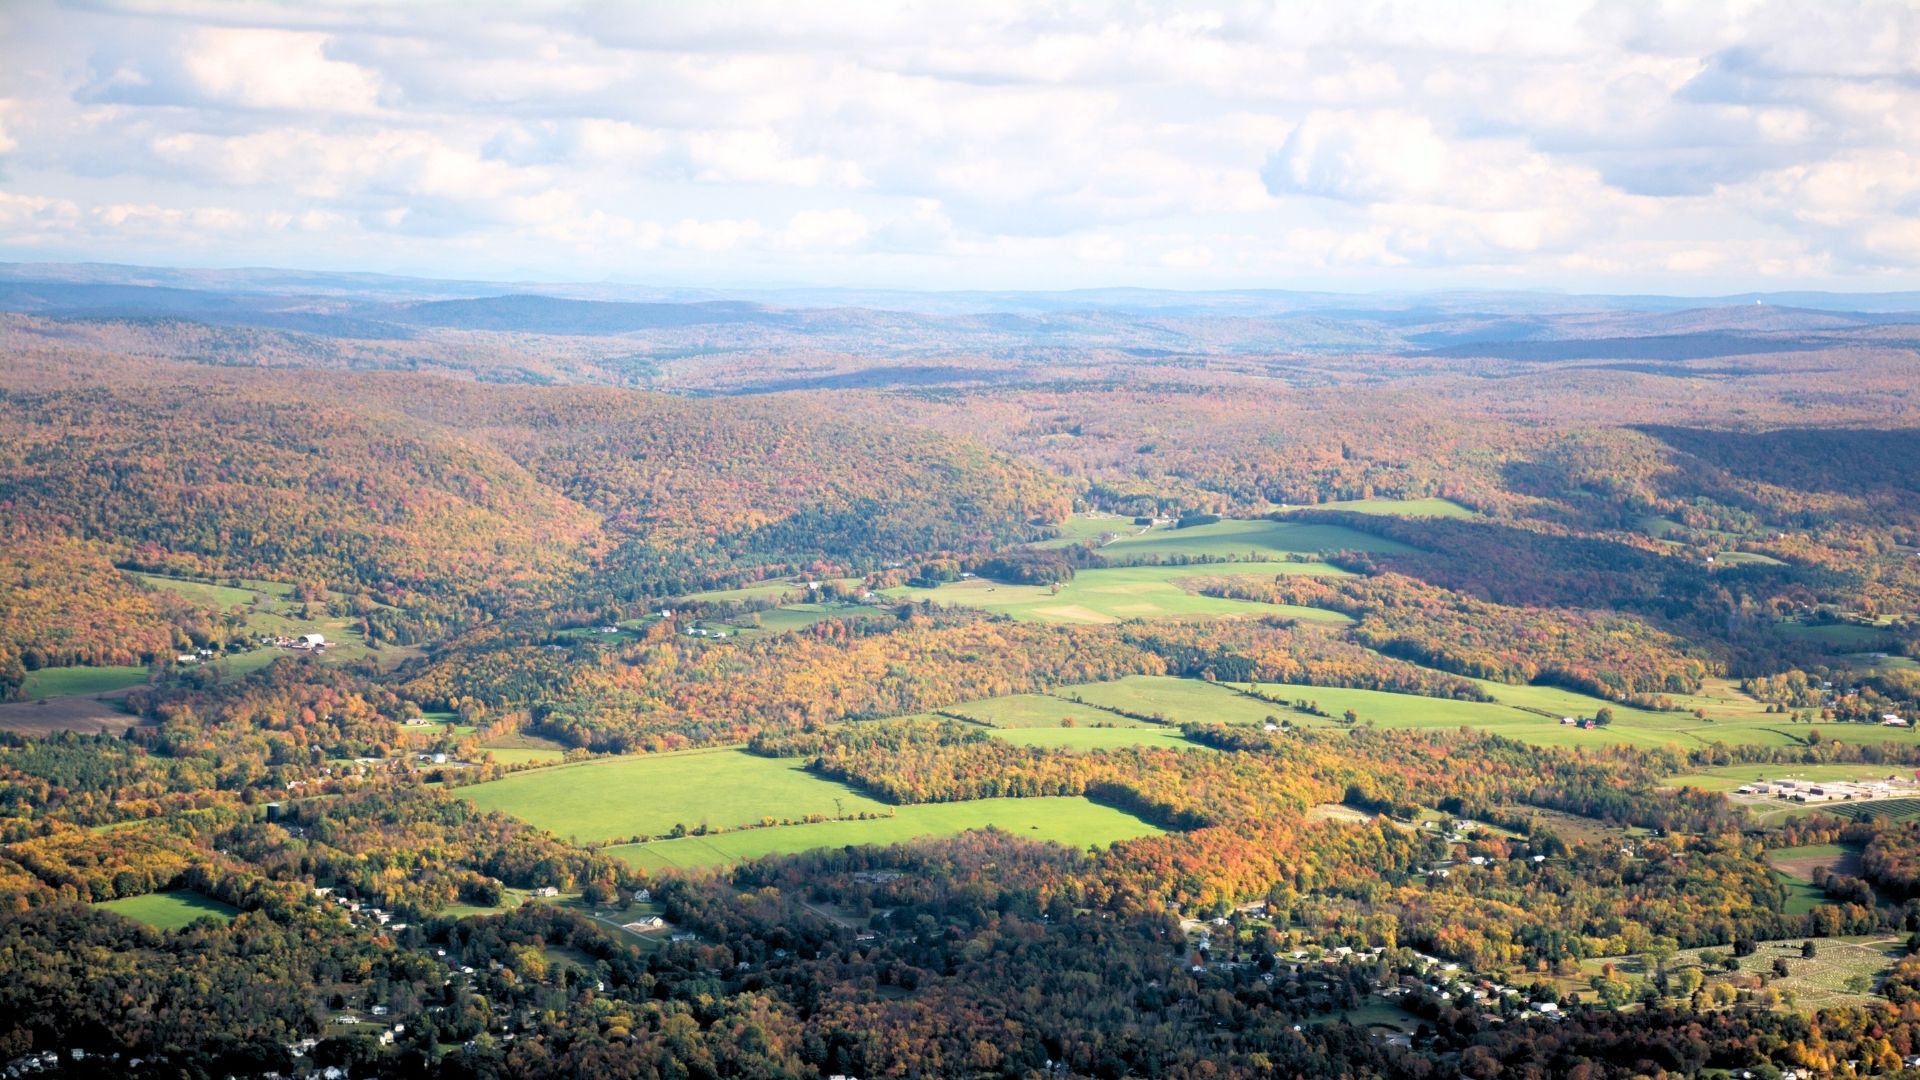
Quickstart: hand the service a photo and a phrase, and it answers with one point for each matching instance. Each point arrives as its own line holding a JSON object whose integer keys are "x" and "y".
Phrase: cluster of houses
{"x": 361, "y": 914}
{"x": 1809, "y": 791}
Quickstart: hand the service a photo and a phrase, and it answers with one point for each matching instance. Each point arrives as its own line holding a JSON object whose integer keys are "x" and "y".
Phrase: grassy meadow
{"x": 169, "y": 910}
{"x": 1241, "y": 537}
{"x": 1180, "y": 701}
{"x": 1446, "y": 508}
{"x": 1098, "y": 738}
{"x": 1118, "y": 593}
{"x": 68, "y": 681}
{"x": 612, "y": 799}
{"x": 1068, "y": 820}
{"x": 1035, "y": 711}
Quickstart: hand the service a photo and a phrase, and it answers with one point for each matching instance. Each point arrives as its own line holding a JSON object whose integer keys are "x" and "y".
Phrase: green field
{"x": 801, "y": 616}
{"x": 1259, "y": 536}
{"x": 65, "y": 681}
{"x": 170, "y": 910}
{"x": 523, "y": 755}
{"x": 648, "y": 794}
{"x": 1115, "y": 594}
{"x": 1098, "y": 738}
{"x": 1744, "y": 558}
{"x": 1398, "y": 507}
{"x": 270, "y": 612}
{"x": 1035, "y": 711}
{"x": 1068, "y": 820}
{"x": 1878, "y": 810}
{"x": 1089, "y": 526}
{"x": 1180, "y": 701}
{"x": 772, "y": 589}
{"x": 1839, "y": 636}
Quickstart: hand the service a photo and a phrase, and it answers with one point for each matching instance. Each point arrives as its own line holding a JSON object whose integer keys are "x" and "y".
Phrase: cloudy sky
{"x": 1680, "y": 147}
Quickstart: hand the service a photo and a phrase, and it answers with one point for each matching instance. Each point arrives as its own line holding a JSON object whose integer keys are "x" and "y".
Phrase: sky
{"x": 1692, "y": 147}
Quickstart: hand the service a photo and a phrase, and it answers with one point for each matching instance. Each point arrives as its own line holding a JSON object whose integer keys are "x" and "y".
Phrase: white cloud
{"x": 275, "y": 69}
{"x": 1559, "y": 142}
{"x": 813, "y": 229}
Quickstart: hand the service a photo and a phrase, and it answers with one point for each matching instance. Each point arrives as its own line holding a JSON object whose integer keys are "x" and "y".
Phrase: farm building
{"x": 310, "y": 641}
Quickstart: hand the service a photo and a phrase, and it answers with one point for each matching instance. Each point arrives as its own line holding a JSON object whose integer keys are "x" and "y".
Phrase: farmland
{"x": 1115, "y": 594}
{"x": 1399, "y": 507}
{"x": 1177, "y": 701}
{"x": 67, "y": 681}
{"x": 1035, "y": 711}
{"x": 1260, "y": 538}
{"x": 648, "y": 795}
{"x": 169, "y": 910}
{"x": 1880, "y": 810}
{"x": 1098, "y": 738}
{"x": 1068, "y": 820}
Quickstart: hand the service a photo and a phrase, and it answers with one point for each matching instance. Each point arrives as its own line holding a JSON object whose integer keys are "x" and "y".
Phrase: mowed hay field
{"x": 1398, "y": 507}
{"x": 1175, "y": 700}
{"x": 1036, "y": 711}
{"x": 1118, "y": 593}
{"x": 613, "y": 799}
{"x": 1099, "y": 738}
{"x": 1068, "y": 820}
{"x": 1236, "y": 538}
{"x": 67, "y": 681}
{"x": 169, "y": 910}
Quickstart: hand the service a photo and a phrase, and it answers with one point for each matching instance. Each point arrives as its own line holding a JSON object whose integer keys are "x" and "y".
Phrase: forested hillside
{"x": 432, "y": 685}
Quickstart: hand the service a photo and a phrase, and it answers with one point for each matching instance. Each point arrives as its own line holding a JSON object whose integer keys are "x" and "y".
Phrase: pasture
{"x": 1118, "y": 593}
{"x": 1801, "y": 863}
{"x": 270, "y": 612}
{"x": 169, "y": 910}
{"x": 1258, "y": 537}
{"x": 1446, "y": 508}
{"x": 1098, "y": 738}
{"x": 1176, "y": 701}
{"x": 799, "y": 616}
{"x": 1532, "y": 714}
{"x": 1091, "y": 525}
{"x": 646, "y": 795}
{"x": 1069, "y": 820}
{"x": 1036, "y": 711}
{"x": 68, "y": 681}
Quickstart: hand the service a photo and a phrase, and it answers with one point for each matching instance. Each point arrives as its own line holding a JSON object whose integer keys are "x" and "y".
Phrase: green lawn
{"x": 1097, "y": 738}
{"x": 1399, "y": 507}
{"x": 648, "y": 794}
{"x": 170, "y": 910}
{"x": 1115, "y": 594}
{"x": 1258, "y": 536}
{"x": 1068, "y": 820}
{"x": 64, "y": 681}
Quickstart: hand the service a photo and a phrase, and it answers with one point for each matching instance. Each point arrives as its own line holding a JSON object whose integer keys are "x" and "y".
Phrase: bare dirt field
{"x": 87, "y": 713}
